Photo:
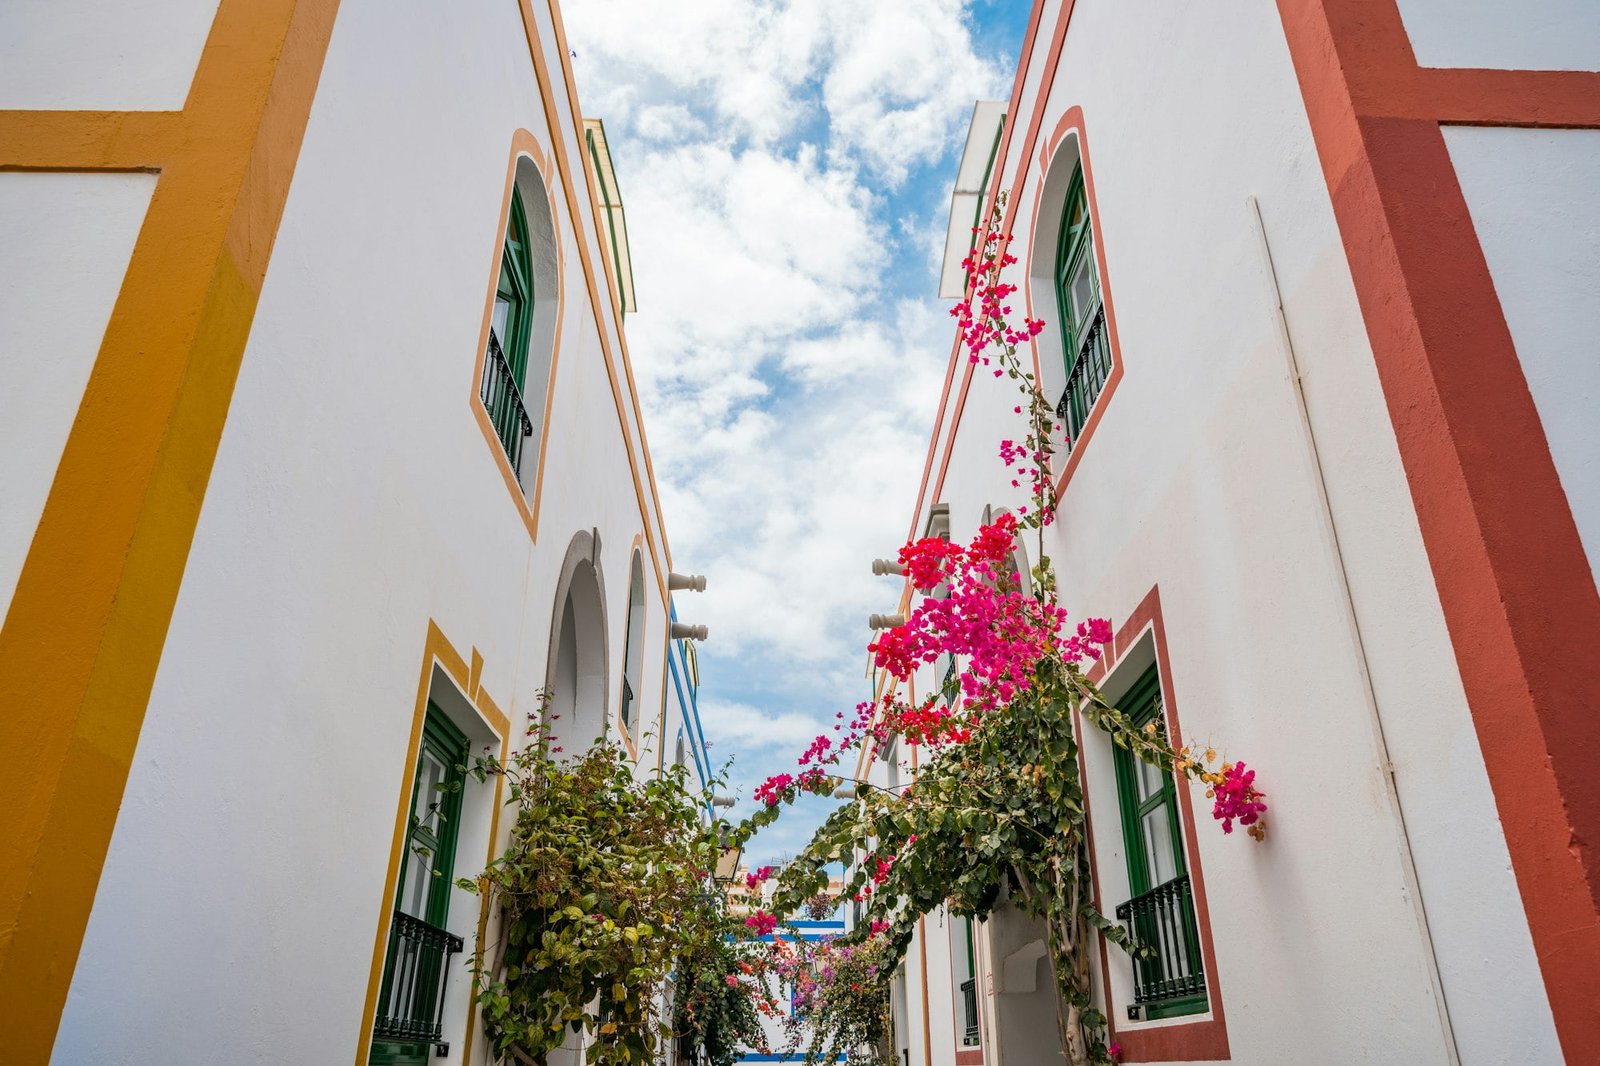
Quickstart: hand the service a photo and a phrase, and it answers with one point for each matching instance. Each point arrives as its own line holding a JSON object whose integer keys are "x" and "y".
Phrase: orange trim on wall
{"x": 1514, "y": 582}
{"x": 83, "y": 635}
{"x": 1207, "y": 1037}
{"x": 523, "y": 146}
{"x": 546, "y": 95}
{"x": 436, "y": 651}
{"x": 90, "y": 140}
{"x": 564, "y": 54}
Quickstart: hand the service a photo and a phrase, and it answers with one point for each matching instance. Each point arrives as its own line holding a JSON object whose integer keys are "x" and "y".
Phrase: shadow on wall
{"x": 576, "y": 673}
{"x": 1026, "y": 1026}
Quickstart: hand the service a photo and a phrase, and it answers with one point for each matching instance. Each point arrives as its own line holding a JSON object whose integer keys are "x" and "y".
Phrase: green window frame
{"x": 427, "y": 865}
{"x": 1161, "y": 912}
{"x": 505, "y": 363}
{"x": 514, "y": 292}
{"x": 1080, "y": 308}
{"x": 967, "y": 987}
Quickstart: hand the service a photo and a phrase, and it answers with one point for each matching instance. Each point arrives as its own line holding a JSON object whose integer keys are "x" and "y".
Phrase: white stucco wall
{"x": 1199, "y": 480}
{"x": 65, "y": 240}
{"x": 353, "y": 500}
{"x": 1535, "y": 199}
{"x": 139, "y": 55}
{"x": 1531, "y": 34}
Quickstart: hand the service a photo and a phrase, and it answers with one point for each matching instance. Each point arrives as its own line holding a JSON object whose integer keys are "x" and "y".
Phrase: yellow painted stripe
{"x": 88, "y": 140}
{"x": 83, "y": 636}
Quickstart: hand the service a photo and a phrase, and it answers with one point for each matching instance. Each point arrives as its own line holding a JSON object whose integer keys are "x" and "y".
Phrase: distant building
{"x": 1321, "y": 287}
{"x": 777, "y": 1048}
{"x": 743, "y": 898}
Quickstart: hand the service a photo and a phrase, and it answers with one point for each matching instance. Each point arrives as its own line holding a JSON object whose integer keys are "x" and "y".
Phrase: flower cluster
{"x": 762, "y": 873}
{"x": 837, "y": 986}
{"x": 930, "y": 722}
{"x": 990, "y": 338}
{"x": 780, "y": 787}
{"x": 981, "y": 316}
{"x": 761, "y": 923}
{"x": 772, "y": 789}
{"x": 1236, "y": 797}
{"x": 1000, "y": 631}
{"x": 1230, "y": 786}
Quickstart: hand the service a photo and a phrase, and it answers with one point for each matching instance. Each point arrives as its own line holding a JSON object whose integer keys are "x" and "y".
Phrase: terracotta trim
{"x": 1514, "y": 582}
{"x": 1205, "y": 1038}
{"x": 1035, "y": 16}
{"x": 1052, "y": 64}
{"x": 1565, "y": 99}
{"x": 1072, "y": 121}
{"x": 969, "y": 1058}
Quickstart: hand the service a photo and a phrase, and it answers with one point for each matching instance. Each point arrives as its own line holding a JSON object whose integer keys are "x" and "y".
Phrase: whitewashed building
{"x": 321, "y": 459}
{"x": 1322, "y": 280}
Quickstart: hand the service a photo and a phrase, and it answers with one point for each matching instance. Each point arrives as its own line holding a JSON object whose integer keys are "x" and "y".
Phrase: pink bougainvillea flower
{"x": 1236, "y": 797}
{"x": 761, "y": 923}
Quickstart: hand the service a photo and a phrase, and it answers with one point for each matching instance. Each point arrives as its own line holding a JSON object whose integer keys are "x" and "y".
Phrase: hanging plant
{"x": 998, "y": 804}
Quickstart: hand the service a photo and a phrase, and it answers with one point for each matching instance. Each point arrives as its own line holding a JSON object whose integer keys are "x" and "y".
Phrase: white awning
{"x": 967, "y": 200}
{"x": 615, "y": 237}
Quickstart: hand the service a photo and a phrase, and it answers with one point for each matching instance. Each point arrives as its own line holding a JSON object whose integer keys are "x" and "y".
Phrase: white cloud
{"x": 730, "y": 722}
{"x": 761, "y": 149}
{"x": 891, "y": 79}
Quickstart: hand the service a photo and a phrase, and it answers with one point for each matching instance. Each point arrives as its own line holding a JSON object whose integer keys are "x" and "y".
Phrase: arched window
{"x": 1084, "y": 345}
{"x": 521, "y": 343}
{"x": 633, "y": 650}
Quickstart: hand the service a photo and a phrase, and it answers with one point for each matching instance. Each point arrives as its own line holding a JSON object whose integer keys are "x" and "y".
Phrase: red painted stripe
{"x": 1514, "y": 582}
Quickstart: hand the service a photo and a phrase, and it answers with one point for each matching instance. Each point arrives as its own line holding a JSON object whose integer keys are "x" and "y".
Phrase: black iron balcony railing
{"x": 412, "y": 1003}
{"x": 503, "y": 400}
{"x": 969, "y": 1007}
{"x": 1163, "y": 919}
{"x": 1090, "y": 370}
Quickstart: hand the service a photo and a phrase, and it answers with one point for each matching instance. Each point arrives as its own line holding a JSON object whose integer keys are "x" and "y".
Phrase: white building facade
{"x": 322, "y": 460}
{"x": 1321, "y": 285}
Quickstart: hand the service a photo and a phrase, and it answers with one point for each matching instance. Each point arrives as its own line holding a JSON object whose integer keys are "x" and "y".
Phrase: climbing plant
{"x": 602, "y": 894}
{"x": 719, "y": 987}
{"x": 997, "y": 805}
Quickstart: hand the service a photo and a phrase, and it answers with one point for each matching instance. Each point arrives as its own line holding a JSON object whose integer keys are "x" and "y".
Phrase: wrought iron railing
{"x": 503, "y": 400}
{"x": 412, "y": 1004}
{"x": 1090, "y": 369}
{"x": 1163, "y": 919}
{"x": 969, "y": 1007}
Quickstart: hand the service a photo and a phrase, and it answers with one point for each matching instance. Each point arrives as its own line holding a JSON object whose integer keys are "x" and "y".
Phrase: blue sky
{"x": 786, "y": 169}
